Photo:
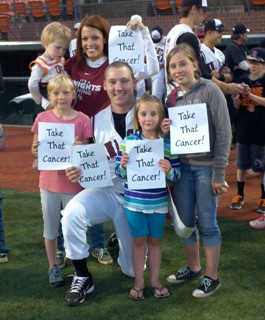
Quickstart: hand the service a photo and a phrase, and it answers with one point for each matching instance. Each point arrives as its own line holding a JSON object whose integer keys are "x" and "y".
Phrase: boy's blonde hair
{"x": 54, "y": 31}
{"x": 148, "y": 98}
{"x": 61, "y": 81}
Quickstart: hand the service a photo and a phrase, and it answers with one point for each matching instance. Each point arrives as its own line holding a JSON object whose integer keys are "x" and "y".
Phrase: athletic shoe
{"x": 258, "y": 223}
{"x": 113, "y": 241}
{"x": 3, "y": 257}
{"x": 102, "y": 255}
{"x": 55, "y": 278}
{"x": 60, "y": 259}
{"x": 261, "y": 208}
{"x": 184, "y": 274}
{"x": 237, "y": 202}
{"x": 207, "y": 287}
{"x": 79, "y": 288}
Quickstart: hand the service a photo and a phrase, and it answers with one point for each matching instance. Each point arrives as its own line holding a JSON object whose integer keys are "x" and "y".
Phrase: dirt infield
{"x": 16, "y": 173}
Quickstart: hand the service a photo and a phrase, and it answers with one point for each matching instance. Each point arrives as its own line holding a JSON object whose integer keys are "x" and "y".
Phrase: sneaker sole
{"x": 175, "y": 281}
{"x": 237, "y": 208}
{"x": 72, "y": 303}
{"x": 257, "y": 228}
{"x": 4, "y": 260}
{"x": 200, "y": 294}
{"x": 260, "y": 211}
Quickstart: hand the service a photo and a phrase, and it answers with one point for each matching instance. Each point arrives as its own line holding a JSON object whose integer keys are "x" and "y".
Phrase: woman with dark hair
{"x": 87, "y": 67}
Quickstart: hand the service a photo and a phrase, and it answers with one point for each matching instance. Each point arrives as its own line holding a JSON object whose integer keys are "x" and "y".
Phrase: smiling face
{"x": 56, "y": 50}
{"x": 182, "y": 69}
{"x": 92, "y": 43}
{"x": 120, "y": 86}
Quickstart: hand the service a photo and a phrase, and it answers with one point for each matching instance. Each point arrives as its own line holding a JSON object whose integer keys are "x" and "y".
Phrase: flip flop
{"x": 159, "y": 296}
{"x": 140, "y": 291}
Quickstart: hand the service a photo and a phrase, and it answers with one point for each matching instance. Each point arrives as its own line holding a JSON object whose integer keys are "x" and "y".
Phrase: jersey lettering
{"x": 59, "y": 69}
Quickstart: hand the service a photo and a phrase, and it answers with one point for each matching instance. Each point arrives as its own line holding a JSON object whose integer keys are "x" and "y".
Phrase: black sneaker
{"x": 113, "y": 241}
{"x": 184, "y": 274}
{"x": 207, "y": 287}
{"x": 79, "y": 288}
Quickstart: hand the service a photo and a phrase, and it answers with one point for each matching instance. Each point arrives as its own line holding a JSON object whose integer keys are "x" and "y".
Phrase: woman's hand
{"x": 136, "y": 21}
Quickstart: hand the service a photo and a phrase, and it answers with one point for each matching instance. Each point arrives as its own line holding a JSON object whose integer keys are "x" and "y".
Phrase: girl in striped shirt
{"x": 146, "y": 209}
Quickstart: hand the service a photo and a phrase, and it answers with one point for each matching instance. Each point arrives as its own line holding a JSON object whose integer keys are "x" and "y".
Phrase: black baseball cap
{"x": 213, "y": 25}
{"x": 240, "y": 28}
{"x": 257, "y": 55}
{"x": 156, "y": 34}
{"x": 198, "y": 3}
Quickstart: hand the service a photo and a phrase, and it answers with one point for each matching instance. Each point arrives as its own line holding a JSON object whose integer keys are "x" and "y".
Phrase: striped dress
{"x": 148, "y": 200}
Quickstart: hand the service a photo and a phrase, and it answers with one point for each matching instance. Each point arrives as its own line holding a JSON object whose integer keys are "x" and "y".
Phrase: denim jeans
{"x": 96, "y": 234}
{"x": 193, "y": 197}
{"x": 3, "y": 247}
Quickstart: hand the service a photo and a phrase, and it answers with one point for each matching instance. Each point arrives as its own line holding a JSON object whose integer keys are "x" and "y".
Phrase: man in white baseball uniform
{"x": 213, "y": 57}
{"x": 93, "y": 206}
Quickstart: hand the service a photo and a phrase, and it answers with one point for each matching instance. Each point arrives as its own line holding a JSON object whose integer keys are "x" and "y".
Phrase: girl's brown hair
{"x": 148, "y": 98}
{"x": 96, "y": 22}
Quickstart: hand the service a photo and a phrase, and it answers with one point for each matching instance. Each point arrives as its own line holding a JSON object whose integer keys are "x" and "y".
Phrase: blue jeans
{"x": 193, "y": 197}
{"x": 3, "y": 247}
{"x": 96, "y": 234}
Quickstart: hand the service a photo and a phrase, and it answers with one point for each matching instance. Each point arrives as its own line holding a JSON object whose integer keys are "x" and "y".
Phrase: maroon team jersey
{"x": 88, "y": 82}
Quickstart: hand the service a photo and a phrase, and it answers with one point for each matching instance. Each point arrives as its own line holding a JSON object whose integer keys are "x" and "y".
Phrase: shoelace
{"x": 101, "y": 252}
{"x": 78, "y": 283}
{"x": 206, "y": 283}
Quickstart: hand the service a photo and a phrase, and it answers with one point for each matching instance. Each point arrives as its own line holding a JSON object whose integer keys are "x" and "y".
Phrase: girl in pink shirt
{"x": 55, "y": 188}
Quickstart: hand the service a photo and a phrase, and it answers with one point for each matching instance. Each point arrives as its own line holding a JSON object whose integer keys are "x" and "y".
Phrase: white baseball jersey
{"x": 105, "y": 132}
{"x": 172, "y": 38}
{"x": 214, "y": 59}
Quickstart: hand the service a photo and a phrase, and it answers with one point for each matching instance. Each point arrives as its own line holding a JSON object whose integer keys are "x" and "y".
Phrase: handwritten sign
{"x": 94, "y": 165}
{"x": 189, "y": 132}
{"x": 127, "y": 46}
{"x": 55, "y": 143}
{"x": 143, "y": 171}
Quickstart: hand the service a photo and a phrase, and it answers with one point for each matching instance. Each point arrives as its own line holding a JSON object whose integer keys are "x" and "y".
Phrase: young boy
{"x": 250, "y": 126}
{"x": 55, "y": 38}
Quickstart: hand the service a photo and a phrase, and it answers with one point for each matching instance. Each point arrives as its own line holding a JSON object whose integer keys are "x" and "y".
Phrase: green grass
{"x": 26, "y": 294}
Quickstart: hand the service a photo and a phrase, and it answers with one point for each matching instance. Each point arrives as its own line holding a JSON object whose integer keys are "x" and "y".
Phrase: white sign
{"x": 143, "y": 171}
{"x": 189, "y": 131}
{"x": 126, "y": 45}
{"x": 93, "y": 163}
{"x": 55, "y": 144}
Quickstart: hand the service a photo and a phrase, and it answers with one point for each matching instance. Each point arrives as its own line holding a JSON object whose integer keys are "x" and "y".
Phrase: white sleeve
{"x": 33, "y": 83}
{"x": 243, "y": 65}
{"x": 152, "y": 66}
